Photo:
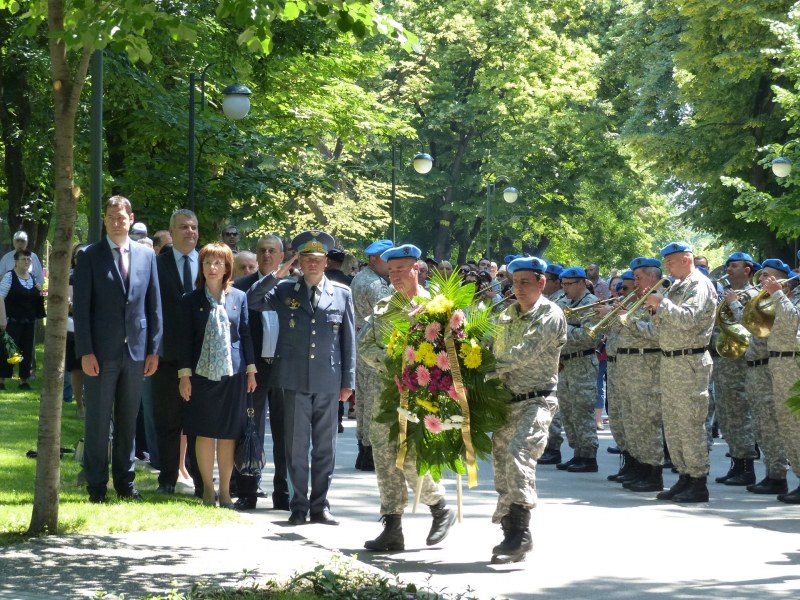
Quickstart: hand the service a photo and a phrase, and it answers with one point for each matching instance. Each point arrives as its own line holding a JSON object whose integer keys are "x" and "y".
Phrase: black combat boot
{"x": 769, "y": 486}
{"x": 697, "y": 491}
{"x": 360, "y": 457}
{"x": 367, "y": 463}
{"x": 652, "y": 482}
{"x": 792, "y": 497}
{"x": 551, "y": 456}
{"x": 634, "y": 472}
{"x": 566, "y": 465}
{"x": 586, "y": 465}
{"x": 518, "y": 542}
{"x": 747, "y": 476}
{"x": 505, "y": 523}
{"x": 443, "y": 519}
{"x": 680, "y": 485}
{"x": 391, "y": 538}
{"x": 625, "y": 465}
{"x": 737, "y": 467}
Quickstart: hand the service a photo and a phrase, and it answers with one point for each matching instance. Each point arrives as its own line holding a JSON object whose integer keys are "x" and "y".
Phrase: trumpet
{"x": 606, "y": 321}
{"x": 664, "y": 282}
{"x": 571, "y": 312}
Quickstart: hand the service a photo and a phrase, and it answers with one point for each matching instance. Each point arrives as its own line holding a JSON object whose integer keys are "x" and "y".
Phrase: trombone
{"x": 572, "y": 312}
{"x": 664, "y": 282}
{"x": 607, "y": 320}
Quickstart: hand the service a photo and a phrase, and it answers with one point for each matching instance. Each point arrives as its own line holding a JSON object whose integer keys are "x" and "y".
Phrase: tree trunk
{"x": 66, "y": 93}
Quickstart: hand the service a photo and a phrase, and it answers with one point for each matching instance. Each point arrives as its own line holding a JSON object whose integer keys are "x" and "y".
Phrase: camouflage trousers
{"x": 393, "y": 483}
{"x": 758, "y": 385}
{"x": 368, "y": 389}
{"x": 733, "y": 411}
{"x": 577, "y": 393}
{"x": 616, "y": 403}
{"x": 684, "y": 406}
{"x": 516, "y": 447}
{"x": 642, "y": 408}
{"x": 785, "y": 373}
{"x": 555, "y": 435}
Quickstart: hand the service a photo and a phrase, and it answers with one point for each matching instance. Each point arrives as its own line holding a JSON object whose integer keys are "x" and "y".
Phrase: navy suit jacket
{"x": 316, "y": 349}
{"x": 256, "y": 327}
{"x": 193, "y": 319}
{"x": 171, "y": 284}
{"x": 108, "y": 319}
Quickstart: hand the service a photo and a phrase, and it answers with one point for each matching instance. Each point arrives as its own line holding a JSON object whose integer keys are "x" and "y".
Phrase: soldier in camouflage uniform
{"x": 578, "y": 389}
{"x": 684, "y": 319}
{"x": 530, "y": 335}
{"x": 553, "y": 292}
{"x": 732, "y": 408}
{"x": 369, "y": 285}
{"x": 393, "y": 483}
{"x": 758, "y": 386}
{"x": 783, "y": 357}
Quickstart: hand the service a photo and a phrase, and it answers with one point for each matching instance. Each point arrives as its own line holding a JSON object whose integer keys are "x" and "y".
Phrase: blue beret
{"x": 756, "y": 266}
{"x": 573, "y": 273}
{"x": 378, "y": 247}
{"x": 675, "y": 247}
{"x": 704, "y": 270}
{"x": 643, "y": 261}
{"x": 628, "y": 275}
{"x": 554, "y": 269}
{"x": 529, "y": 263}
{"x": 777, "y": 263}
{"x": 739, "y": 256}
{"x": 313, "y": 243}
{"x": 509, "y": 257}
{"x": 404, "y": 251}
{"x": 618, "y": 287}
{"x": 798, "y": 254}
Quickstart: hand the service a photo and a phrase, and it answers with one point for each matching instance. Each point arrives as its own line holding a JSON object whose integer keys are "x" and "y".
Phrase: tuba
{"x": 734, "y": 338}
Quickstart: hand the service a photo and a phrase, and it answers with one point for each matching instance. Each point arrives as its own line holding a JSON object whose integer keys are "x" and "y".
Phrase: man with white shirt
{"x": 264, "y": 333}
{"x": 177, "y": 274}
{"x": 21, "y": 243}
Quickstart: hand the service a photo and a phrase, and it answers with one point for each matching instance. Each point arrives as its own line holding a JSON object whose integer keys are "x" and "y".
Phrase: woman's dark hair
{"x": 19, "y": 253}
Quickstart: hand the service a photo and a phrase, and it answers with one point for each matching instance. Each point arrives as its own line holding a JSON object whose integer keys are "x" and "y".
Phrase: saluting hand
{"x": 283, "y": 270}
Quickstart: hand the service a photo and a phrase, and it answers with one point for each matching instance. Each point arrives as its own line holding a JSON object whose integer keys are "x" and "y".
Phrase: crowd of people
{"x": 190, "y": 338}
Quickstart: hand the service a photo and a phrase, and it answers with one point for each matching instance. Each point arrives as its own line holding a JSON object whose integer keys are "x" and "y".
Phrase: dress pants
{"x": 115, "y": 391}
{"x": 310, "y": 422}
{"x": 168, "y": 417}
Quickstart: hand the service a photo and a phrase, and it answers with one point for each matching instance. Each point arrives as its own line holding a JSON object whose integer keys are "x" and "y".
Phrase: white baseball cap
{"x": 21, "y": 235}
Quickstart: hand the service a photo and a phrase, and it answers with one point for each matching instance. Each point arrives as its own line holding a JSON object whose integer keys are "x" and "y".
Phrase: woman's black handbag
{"x": 250, "y": 457}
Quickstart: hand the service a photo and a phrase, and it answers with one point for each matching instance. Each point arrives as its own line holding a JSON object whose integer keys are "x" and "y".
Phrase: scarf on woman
{"x": 215, "y": 355}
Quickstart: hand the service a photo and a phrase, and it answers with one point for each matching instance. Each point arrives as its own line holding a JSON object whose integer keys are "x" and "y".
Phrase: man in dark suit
{"x": 315, "y": 363}
{"x": 117, "y": 314}
{"x": 177, "y": 273}
{"x": 264, "y": 333}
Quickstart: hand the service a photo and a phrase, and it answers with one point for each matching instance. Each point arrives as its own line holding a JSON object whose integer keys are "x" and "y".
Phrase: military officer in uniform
{"x": 394, "y": 483}
{"x": 578, "y": 390}
{"x": 553, "y": 292}
{"x": 732, "y": 407}
{"x": 369, "y": 285}
{"x": 684, "y": 319}
{"x": 314, "y": 364}
{"x": 530, "y": 335}
{"x": 782, "y": 344}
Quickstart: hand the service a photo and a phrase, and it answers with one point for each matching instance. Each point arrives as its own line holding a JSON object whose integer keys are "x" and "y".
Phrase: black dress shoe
{"x": 280, "y": 503}
{"x": 245, "y": 503}
{"x": 325, "y": 518}
{"x": 97, "y": 498}
{"x": 298, "y": 517}
{"x": 130, "y": 496}
{"x": 165, "y": 488}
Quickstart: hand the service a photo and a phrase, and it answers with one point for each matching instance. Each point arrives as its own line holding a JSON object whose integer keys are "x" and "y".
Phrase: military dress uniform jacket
{"x": 528, "y": 345}
{"x": 316, "y": 351}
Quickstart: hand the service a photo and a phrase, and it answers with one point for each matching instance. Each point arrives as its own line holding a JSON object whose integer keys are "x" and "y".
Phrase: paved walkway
{"x": 592, "y": 540}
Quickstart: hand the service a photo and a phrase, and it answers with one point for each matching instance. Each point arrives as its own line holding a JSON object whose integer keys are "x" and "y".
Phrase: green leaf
{"x": 291, "y": 11}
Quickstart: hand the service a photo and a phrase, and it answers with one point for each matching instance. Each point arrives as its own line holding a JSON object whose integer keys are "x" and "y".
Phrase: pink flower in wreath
{"x": 410, "y": 354}
{"x": 442, "y": 361}
{"x": 432, "y": 331}
{"x": 400, "y": 387}
{"x": 423, "y": 376}
{"x": 453, "y": 393}
{"x": 457, "y": 320}
{"x": 433, "y": 424}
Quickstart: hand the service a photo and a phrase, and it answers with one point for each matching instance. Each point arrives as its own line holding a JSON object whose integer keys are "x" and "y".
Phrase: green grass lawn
{"x": 19, "y": 415}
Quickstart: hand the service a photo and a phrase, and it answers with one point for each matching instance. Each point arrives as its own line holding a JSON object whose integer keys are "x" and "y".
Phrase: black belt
{"x": 577, "y": 354}
{"x": 781, "y": 354}
{"x": 758, "y": 363}
{"x": 713, "y": 352}
{"x": 529, "y": 395}
{"x": 637, "y": 350}
{"x": 611, "y": 359}
{"x": 683, "y": 352}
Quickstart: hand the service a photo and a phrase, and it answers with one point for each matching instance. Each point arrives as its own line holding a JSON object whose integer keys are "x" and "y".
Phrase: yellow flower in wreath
{"x": 431, "y": 407}
{"x": 439, "y": 305}
{"x": 424, "y": 354}
{"x": 471, "y": 353}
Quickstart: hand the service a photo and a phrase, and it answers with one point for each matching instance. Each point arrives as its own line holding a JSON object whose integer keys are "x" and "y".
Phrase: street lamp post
{"x": 422, "y": 163}
{"x": 235, "y": 106}
{"x": 510, "y": 195}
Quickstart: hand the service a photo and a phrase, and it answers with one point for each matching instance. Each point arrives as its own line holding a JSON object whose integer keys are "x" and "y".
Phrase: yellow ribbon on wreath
{"x": 402, "y": 421}
{"x": 461, "y": 392}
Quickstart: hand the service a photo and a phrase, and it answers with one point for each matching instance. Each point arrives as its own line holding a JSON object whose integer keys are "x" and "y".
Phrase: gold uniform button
{"x": 312, "y": 356}
{"x": 313, "y": 345}
{"x": 313, "y": 320}
{"x": 313, "y": 332}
